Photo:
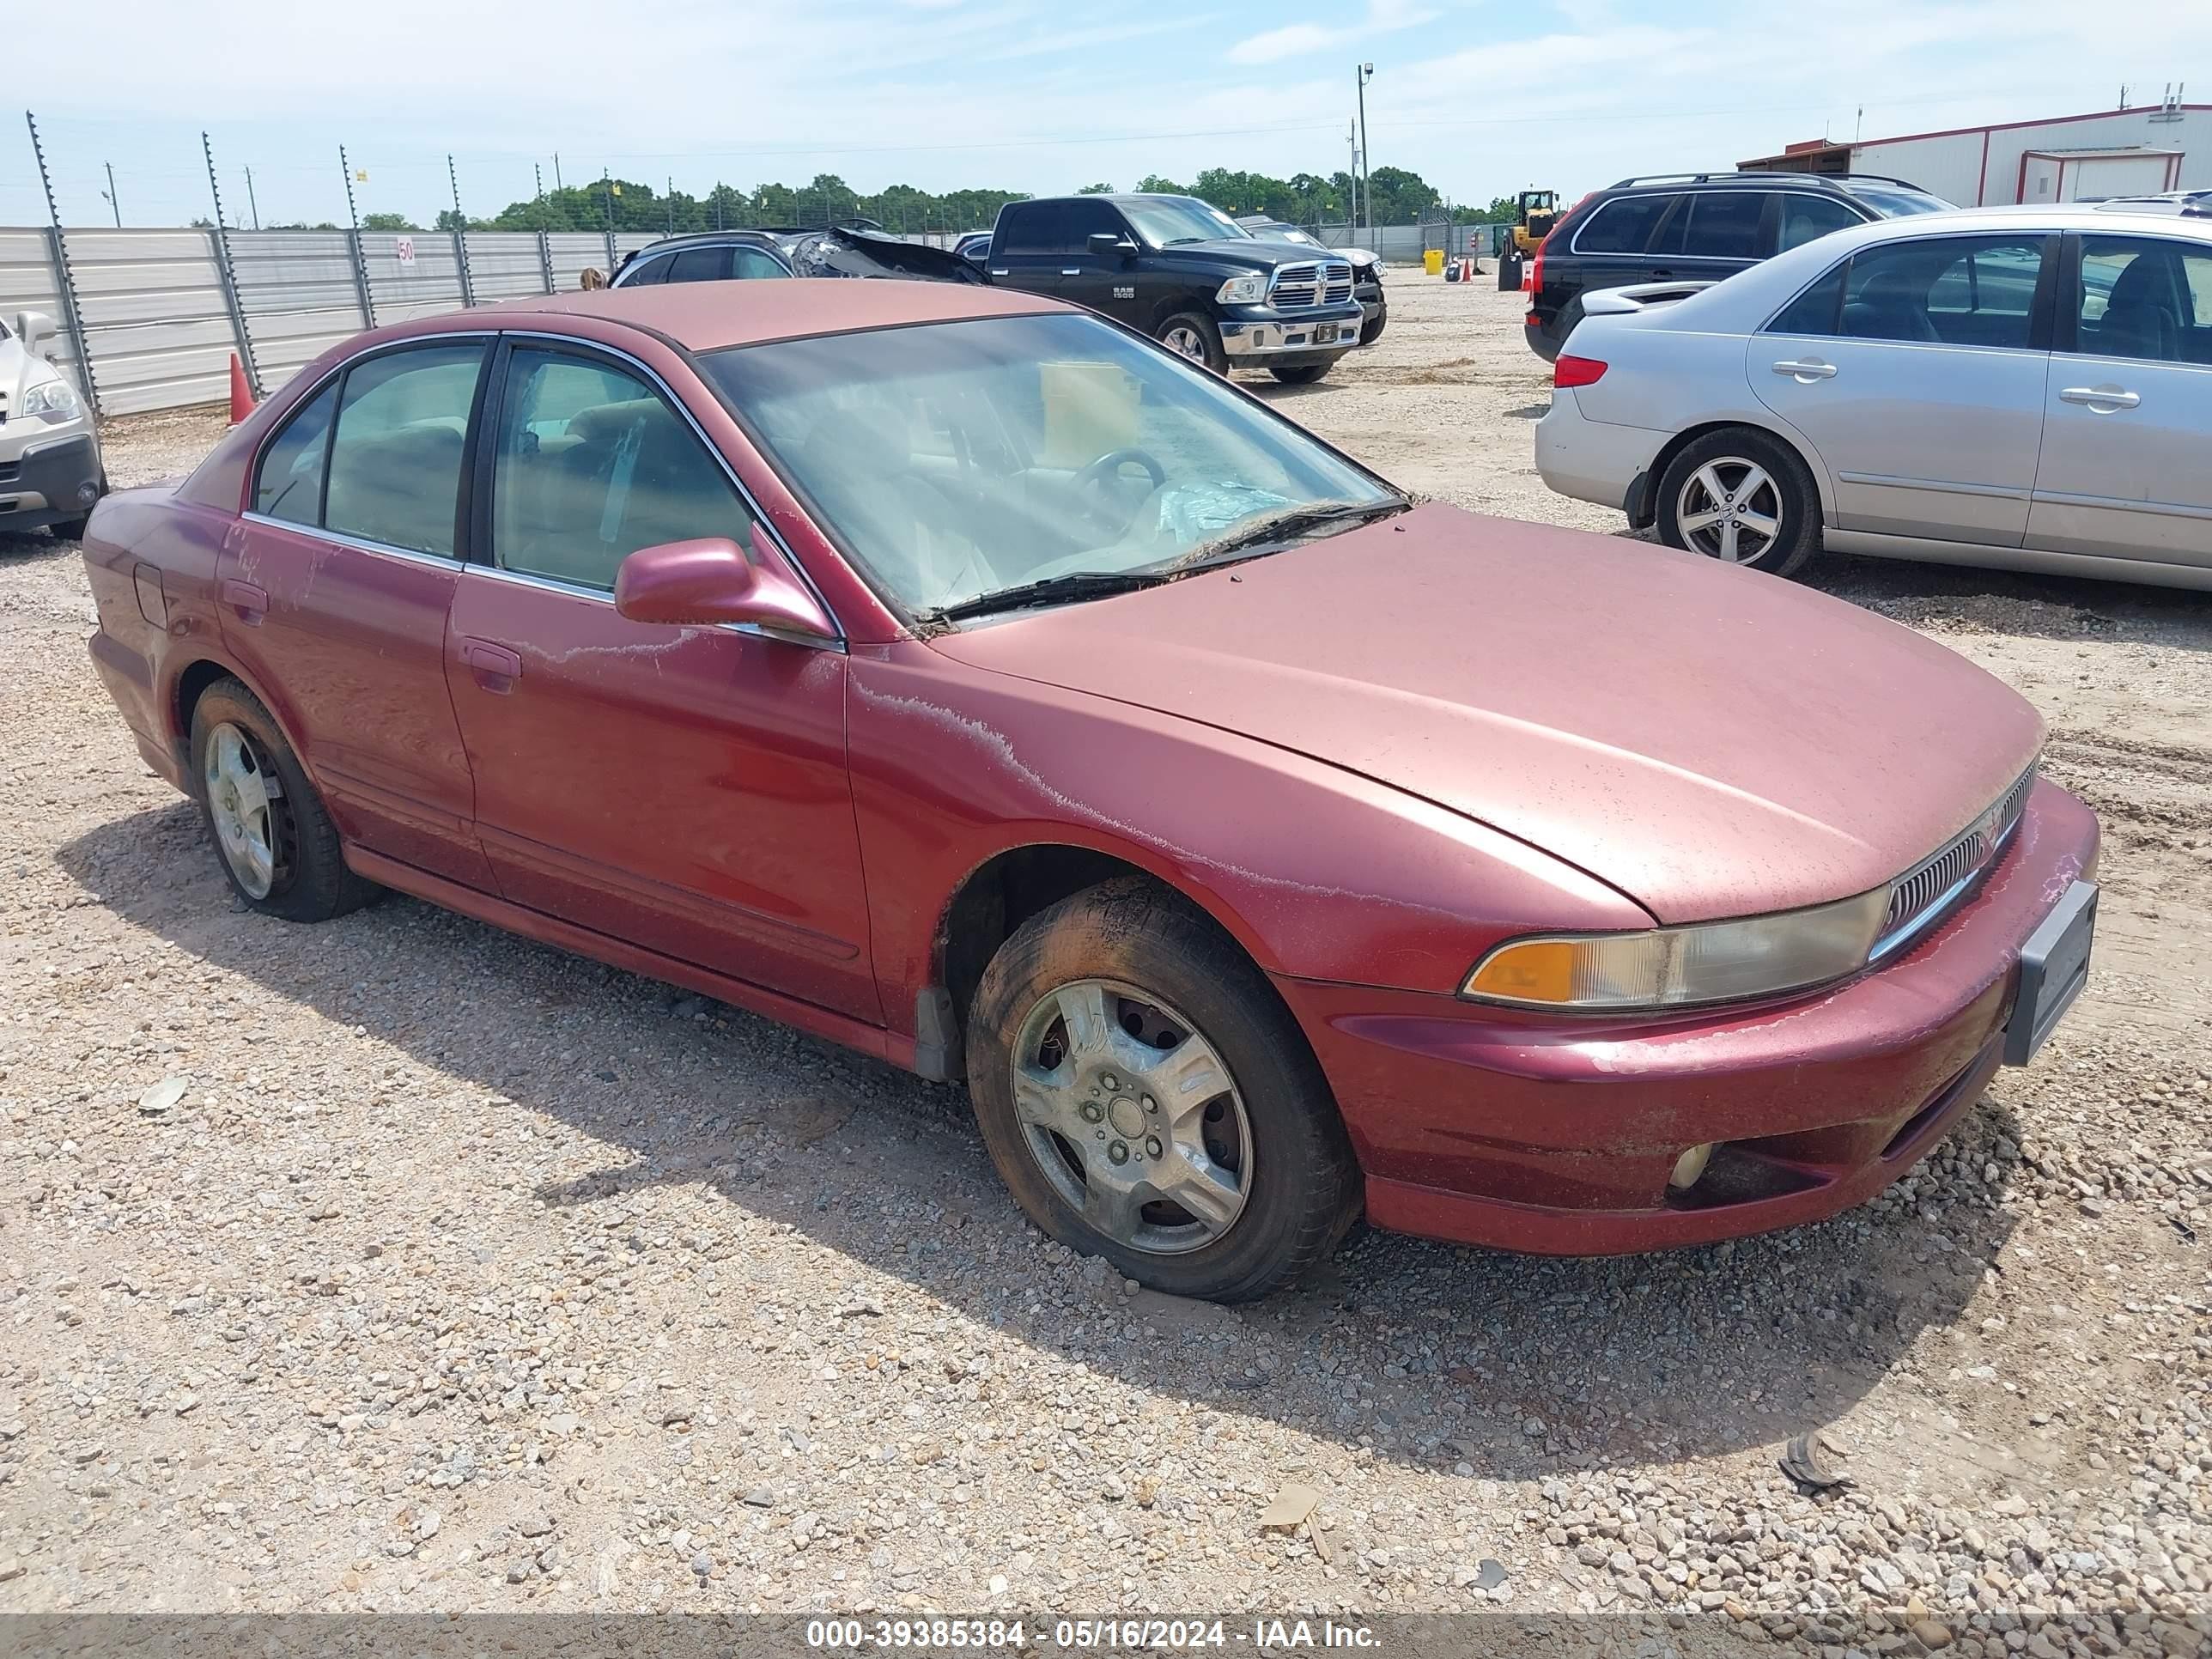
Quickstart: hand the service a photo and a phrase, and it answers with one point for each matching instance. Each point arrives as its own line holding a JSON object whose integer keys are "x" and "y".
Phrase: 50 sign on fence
{"x": 404, "y": 247}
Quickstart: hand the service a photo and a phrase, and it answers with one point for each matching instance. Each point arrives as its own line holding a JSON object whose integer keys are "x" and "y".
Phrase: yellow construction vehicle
{"x": 1535, "y": 213}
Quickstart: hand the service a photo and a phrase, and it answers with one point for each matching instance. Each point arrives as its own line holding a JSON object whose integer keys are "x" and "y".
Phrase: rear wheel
{"x": 1306, "y": 374}
{"x": 278, "y": 847}
{"x": 1195, "y": 335}
{"x": 1147, "y": 1098}
{"x": 1743, "y": 498}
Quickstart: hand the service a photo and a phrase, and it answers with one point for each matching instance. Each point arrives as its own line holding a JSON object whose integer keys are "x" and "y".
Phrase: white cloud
{"x": 1297, "y": 39}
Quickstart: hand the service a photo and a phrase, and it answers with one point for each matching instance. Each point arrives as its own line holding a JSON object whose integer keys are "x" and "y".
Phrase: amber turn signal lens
{"x": 1542, "y": 970}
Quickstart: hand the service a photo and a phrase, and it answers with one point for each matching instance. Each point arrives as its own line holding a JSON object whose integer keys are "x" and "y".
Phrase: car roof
{"x": 709, "y": 316}
{"x": 1835, "y": 183}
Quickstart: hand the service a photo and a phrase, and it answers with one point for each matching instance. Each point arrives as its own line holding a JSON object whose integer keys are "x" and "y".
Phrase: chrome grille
{"x": 1297, "y": 287}
{"x": 1923, "y": 894}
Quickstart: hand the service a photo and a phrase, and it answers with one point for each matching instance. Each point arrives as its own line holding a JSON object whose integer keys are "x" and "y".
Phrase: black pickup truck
{"x": 1188, "y": 274}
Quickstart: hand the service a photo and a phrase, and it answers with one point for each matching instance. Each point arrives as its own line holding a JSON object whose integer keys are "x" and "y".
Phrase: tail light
{"x": 1532, "y": 280}
{"x": 1577, "y": 371}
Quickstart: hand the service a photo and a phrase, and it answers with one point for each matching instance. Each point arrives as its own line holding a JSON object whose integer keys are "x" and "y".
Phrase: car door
{"x": 335, "y": 587}
{"x": 1108, "y": 283}
{"x": 1026, "y": 249}
{"x": 680, "y": 789}
{"x": 1614, "y": 248}
{"x": 2126, "y": 470}
{"x": 1916, "y": 369}
{"x": 707, "y": 263}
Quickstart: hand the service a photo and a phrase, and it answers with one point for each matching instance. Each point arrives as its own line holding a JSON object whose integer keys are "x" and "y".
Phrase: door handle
{"x": 1807, "y": 370}
{"x": 249, "y": 602}
{"x": 496, "y": 668}
{"x": 2101, "y": 399}
{"x": 1661, "y": 273}
{"x": 1071, "y": 271}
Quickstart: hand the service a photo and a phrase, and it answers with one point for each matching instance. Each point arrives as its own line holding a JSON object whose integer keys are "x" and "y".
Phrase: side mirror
{"x": 712, "y": 580}
{"x": 1109, "y": 244}
{"x": 33, "y": 326}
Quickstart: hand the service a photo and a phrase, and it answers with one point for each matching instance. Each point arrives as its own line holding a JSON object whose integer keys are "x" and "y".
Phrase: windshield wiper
{"x": 1288, "y": 526}
{"x": 1053, "y": 590}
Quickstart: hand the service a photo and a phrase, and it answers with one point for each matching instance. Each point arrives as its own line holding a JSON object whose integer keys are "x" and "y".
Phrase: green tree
{"x": 387, "y": 221}
{"x": 1096, "y": 190}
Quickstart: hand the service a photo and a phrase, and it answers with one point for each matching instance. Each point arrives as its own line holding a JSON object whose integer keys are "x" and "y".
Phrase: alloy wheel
{"x": 246, "y": 802}
{"x": 1133, "y": 1116}
{"x": 1730, "y": 509}
{"x": 1185, "y": 342}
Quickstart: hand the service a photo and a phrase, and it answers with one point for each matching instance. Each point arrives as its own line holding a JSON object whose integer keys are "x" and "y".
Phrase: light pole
{"x": 1366, "y": 168}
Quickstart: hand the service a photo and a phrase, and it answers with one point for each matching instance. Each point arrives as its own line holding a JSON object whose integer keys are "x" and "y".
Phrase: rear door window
{"x": 752, "y": 264}
{"x": 1724, "y": 224}
{"x": 700, "y": 264}
{"x": 395, "y": 466}
{"x": 2144, "y": 297}
{"x": 1031, "y": 227}
{"x": 1624, "y": 225}
{"x": 1948, "y": 290}
{"x": 644, "y": 272}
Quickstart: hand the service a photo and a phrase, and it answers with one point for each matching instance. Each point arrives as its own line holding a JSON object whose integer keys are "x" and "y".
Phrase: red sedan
{"x": 955, "y": 675}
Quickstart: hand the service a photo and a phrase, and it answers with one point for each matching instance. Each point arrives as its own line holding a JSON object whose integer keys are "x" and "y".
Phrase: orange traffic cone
{"x": 241, "y": 394}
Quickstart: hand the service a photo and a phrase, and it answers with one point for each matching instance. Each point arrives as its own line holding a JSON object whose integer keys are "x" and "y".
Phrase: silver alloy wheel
{"x": 1730, "y": 509}
{"x": 1133, "y": 1117}
{"x": 241, "y": 794}
{"x": 1186, "y": 342}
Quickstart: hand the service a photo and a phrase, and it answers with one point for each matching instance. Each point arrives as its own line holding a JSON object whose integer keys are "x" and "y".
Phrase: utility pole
{"x": 1351, "y": 230}
{"x": 557, "y": 185}
{"x": 114, "y": 200}
{"x": 1366, "y": 159}
{"x": 253, "y": 206}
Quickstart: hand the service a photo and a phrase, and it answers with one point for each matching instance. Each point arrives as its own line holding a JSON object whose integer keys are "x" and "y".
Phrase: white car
{"x": 49, "y": 471}
{"x": 2029, "y": 388}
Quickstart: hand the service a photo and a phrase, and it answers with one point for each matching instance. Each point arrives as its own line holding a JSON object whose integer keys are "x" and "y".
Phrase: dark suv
{"x": 1693, "y": 228}
{"x": 1186, "y": 274}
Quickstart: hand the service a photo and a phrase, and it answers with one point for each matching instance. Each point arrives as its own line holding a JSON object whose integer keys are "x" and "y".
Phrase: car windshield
{"x": 960, "y": 459}
{"x": 1897, "y": 201}
{"x": 1164, "y": 221}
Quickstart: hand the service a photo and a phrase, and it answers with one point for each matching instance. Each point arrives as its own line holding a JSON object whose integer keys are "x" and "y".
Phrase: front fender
{"x": 1319, "y": 873}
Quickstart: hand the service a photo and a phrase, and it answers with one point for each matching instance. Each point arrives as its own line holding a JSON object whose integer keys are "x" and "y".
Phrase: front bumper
{"x": 1557, "y": 1135}
{"x": 1256, "y": 337}
{"x": 1592, "y": 460}
{"x": 49, "y": 478}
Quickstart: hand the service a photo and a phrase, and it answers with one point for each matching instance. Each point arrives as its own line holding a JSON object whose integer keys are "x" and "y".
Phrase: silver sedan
{"x": 2024, "y": 387}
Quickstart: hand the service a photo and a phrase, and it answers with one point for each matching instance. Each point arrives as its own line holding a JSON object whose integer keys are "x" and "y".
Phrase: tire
{"x": 1780, "y": 493}
{"x": 70, "y": 530}
{"x": 1148, "y": 977}
{"x": 278, "y": 849}
{"x": 1373, "y": 330}
{"x": 1304, "y": 375}
{"x": 1195, "y": 335}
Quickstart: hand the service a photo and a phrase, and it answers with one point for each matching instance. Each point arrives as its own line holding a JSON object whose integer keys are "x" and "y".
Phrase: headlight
{"x": 1683, "y": 967}
{"x": 1242, "y": 291}
{"x": 52, "y": 401}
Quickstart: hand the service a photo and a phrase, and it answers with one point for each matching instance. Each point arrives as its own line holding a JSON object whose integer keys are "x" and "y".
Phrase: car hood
{"x": 1710, "y": 741}
{"x": 1250, "y": 252}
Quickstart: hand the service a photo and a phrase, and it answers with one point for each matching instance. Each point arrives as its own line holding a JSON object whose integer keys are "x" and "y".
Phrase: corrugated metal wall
{"x": 159, "y": 325}
{"x": 1982, "y": 167}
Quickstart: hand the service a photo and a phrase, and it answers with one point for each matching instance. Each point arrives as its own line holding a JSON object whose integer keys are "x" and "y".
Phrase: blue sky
{"x": 1483, "y": 97}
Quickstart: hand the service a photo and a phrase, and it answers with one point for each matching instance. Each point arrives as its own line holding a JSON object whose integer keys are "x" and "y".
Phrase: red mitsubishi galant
{"x": 956, "y": 675}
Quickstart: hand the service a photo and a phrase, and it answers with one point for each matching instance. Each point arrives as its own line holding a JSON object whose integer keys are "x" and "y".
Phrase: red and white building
{"x": 2122, "y": 152}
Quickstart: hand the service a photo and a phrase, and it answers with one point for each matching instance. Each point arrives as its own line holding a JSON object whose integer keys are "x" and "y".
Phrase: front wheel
{"x": 1147, "y": 1098}
{"x": 1743, "y": 498}
{"x": 1304, "y": 374}
{"x": 1196, "y": 336}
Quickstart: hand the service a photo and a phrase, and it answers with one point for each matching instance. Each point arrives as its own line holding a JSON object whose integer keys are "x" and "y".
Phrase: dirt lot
{"x": 465, "y": 1275}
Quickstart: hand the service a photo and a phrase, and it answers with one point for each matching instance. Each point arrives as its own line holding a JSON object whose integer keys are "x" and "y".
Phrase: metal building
{"x": 2069, "y": 158}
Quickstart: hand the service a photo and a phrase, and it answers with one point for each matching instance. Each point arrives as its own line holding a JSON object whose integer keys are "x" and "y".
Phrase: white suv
{"x": 49, "y": 470}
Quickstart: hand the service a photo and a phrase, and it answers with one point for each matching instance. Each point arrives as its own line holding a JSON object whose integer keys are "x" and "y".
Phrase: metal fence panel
{"x": 400, "y": 290}
{"x": 28, "y": 283}
{"x": 296, "y": 289}
{"x": 575, "y": 252}
{"x": 504, "y": 263}
{"x": 151, "y": 301}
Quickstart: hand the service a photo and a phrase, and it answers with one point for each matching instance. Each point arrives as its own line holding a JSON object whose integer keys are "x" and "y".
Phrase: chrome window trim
{"x": 753, "y": 509}
{"x": 580, "y": 590}
{"x": 359, "y": 544}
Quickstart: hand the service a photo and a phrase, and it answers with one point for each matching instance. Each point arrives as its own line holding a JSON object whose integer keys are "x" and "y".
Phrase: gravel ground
{"x": 454, "y": 1272}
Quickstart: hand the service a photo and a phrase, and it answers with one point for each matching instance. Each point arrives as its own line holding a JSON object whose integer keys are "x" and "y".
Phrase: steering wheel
{"x": 1107, "y": 466}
